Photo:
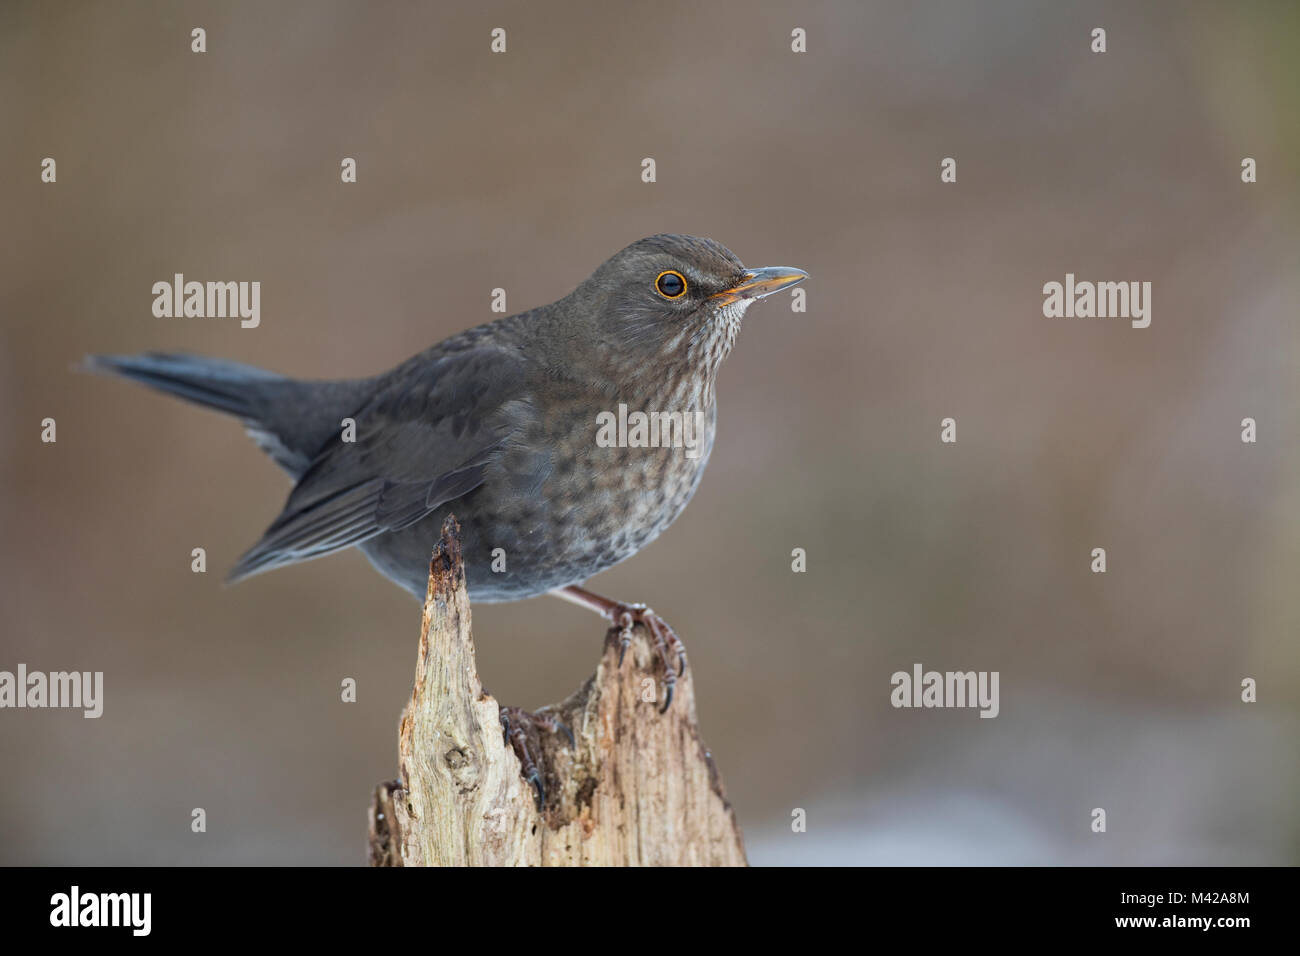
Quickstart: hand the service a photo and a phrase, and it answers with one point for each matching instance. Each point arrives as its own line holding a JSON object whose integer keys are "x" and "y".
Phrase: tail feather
{"x": 282, "y": 415}
{"x": 213, "y": 383}
{"x": 290, "y": 420}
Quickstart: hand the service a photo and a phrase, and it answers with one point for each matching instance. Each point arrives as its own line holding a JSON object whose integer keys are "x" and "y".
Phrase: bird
{"x": 509, "y": 426}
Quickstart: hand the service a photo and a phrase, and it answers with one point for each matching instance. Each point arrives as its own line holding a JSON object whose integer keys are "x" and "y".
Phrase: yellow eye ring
{"x": 670, "y": 284}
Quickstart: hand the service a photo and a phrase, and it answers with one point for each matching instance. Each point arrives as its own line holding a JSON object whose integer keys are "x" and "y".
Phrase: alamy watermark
{"x": 923, "y": 688}
{"x": 129, "y": 910}
{"x": 1102, "y": 300}
{"x": 650, "y": 430}
{"x": 82, "y": 690}
{"x": 208, "y": 300}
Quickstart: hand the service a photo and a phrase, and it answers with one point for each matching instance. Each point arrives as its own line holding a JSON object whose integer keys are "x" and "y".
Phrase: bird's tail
{"x": 290, "y": 419}
{"x": 228, "y": 387}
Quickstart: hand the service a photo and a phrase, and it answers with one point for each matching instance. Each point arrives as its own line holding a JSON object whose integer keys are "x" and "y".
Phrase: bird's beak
{"x": 759, "y": 283}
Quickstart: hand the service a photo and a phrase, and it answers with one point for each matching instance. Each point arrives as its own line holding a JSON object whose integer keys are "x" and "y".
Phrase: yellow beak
{"x": 759, "y": 283}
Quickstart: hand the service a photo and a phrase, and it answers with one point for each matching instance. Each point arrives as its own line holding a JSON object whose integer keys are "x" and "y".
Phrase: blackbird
{"x": 509, "y": 425}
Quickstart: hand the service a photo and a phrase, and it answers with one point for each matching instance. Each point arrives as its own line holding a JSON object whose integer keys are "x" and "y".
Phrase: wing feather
{"x": 430, "y": 435}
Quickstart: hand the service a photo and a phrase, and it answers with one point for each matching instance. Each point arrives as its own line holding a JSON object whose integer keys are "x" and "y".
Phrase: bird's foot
{"x": 664, "y": 638}
{"x": 515, "y": 722}
{"x": 625, "y": 617}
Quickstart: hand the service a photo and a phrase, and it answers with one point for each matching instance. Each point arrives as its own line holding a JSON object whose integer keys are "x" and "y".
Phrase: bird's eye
{"x": 671, "y": 284}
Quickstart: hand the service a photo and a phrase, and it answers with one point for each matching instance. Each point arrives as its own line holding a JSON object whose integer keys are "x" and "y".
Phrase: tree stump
{"x": 636, "y": 788}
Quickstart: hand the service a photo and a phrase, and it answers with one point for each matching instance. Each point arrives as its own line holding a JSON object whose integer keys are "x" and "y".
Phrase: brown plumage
{"x": 499, "y": 425}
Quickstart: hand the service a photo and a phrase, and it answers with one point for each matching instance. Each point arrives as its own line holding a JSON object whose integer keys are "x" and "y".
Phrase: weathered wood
{"x": 638, "y": 788}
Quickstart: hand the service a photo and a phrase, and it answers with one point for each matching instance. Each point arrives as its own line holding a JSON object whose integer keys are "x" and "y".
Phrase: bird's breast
{"x": 587, "y": 483}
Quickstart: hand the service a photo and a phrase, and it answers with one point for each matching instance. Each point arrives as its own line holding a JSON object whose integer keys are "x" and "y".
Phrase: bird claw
{"x": 516, "y": 734}
{"x": 573, "y": 743}
{"x": 535, "y": 778}
{"x": 664, "y": 638}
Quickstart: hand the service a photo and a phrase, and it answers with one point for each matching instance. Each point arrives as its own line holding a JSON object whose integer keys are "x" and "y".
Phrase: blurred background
{"x": 522, "y": 171}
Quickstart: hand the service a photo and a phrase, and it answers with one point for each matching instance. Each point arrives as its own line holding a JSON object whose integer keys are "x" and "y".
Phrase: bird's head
{"x": 674, "y": 302}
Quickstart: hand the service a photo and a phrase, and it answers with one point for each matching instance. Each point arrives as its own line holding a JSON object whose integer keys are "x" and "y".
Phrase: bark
{"x": 637, "y": 788}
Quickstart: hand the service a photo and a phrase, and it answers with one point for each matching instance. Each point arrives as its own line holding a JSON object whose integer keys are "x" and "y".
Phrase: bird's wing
{"x": 428, "y": 435}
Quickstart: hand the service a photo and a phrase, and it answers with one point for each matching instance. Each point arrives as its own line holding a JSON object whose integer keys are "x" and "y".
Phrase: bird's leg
{"x": 514, "y": 725}
{"x": 624, "y": 617}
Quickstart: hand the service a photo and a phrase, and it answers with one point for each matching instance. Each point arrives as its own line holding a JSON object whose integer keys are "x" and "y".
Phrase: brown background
{"x": 522, "y": 171}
